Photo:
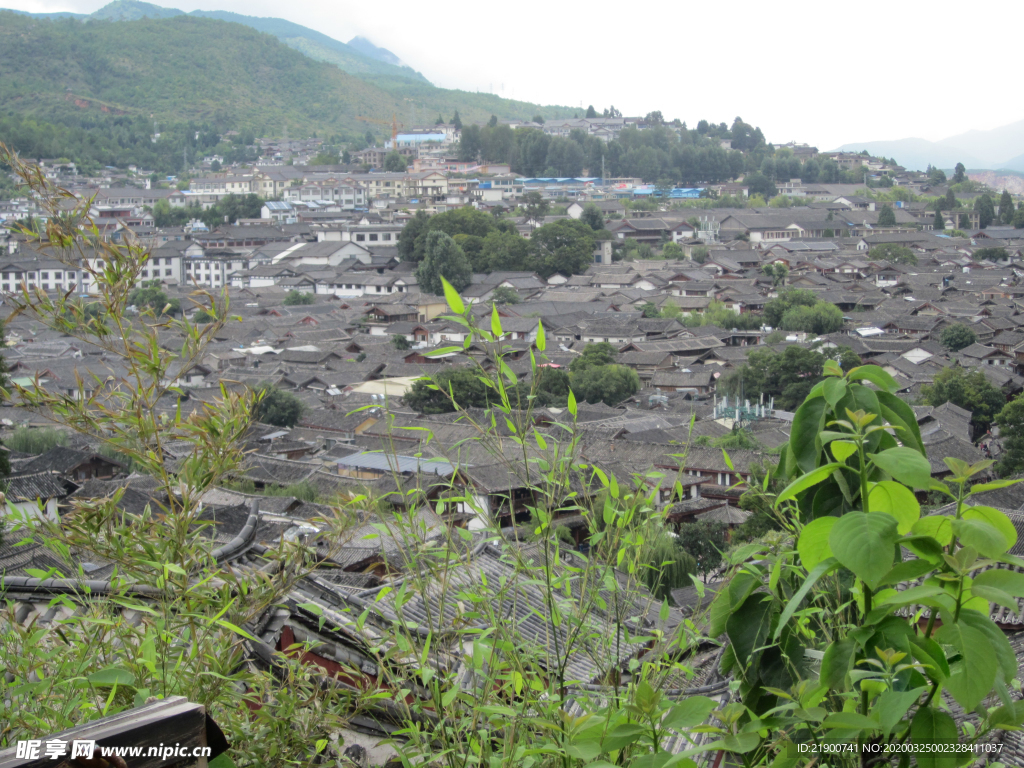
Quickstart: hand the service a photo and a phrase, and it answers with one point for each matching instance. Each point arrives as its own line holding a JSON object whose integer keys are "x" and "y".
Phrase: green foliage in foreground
{"x": 818, "y": 621}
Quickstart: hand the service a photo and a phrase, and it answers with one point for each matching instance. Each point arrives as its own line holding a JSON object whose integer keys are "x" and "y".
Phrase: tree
{"x": 565, "y": 246}
{"x": 672, "y": 250}
{"x": 950, "y": 202}
{"x": 152, "y": 296}
{"x": 505, "y": 295}
{"x": 434, "y": 394}
{"x": 1006, "y": 208}
{"x": 536, "y": 207}
{"x": 400, "y": 342}
{"x": 759, "y": 184}
{"x": 650, "y": 310}
{"x": 394, "y": 162}
{"x": 1011, "y": 429}
{"x": 1018, "y": 218}
{"x": 986, "y": 210}
{"x": 959, "y": 174}
{"x": 893, "y": 253}
{"x": 964, "y": 222}
{"x": 705, "y": 542}
{"x": 505, "y": 252}
{"x": 886, "y": 216}
{"x": 969, "y": 389}
{"x": 552, "y": 386}
{"x": 777, "y": 272}
{"x": 699, "y": 254}
{"x": 592, "y": 217}
{"x": 296, "y": 298}
{"x": 823, "y": 317}
{"x": 416, "y": 227}
{"x": 957, "y": 336}
{"x": 591, "y": 112}
{"x": 793, "y": 297}
{"x": 608, "y": 384}
{"x": 594, "y": 354}
{"x": 992, "y": 253}
{"x": 444, "y": 258}
{"x": 456, "y": 121}
{"x": 939, "y": 222}
{"x": 668, "y": 565}
{"x": 278, "y": 407}
{"x": 539, "y": 119}
{"x": 787, "y": 376}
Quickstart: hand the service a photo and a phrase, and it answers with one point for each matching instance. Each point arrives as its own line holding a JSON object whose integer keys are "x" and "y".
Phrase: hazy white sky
{"x": 820, "y": 73}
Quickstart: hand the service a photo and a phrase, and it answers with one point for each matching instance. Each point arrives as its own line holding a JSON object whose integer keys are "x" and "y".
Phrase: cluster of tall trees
{"x": 475, "y": 241}
{"x": 661, "y": 151}
{"x": 230, "y": 209}
{"x": 593, "y": 377}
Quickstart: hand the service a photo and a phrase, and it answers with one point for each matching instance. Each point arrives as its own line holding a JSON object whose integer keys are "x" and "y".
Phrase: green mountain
{"x": 188, "y": 68}
{"x": 358, "y": 57}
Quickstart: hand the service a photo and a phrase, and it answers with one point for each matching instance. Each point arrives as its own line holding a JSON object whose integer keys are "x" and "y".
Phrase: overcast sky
{"x": 813, "y": 72}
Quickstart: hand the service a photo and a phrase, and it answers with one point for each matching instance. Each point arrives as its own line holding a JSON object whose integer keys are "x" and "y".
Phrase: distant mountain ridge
{"x": 187, "y": 68}
{"x": 997, "y": 149}
{"x": 358, "y": 57}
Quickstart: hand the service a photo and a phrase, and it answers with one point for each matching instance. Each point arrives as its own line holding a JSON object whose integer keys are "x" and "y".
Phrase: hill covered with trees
{"x": 184, "y": 68}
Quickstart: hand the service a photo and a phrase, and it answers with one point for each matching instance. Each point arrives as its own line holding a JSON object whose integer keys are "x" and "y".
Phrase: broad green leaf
{"x": 865, "y": 545}
{"x": 832, "y": 368}
{"x": 996, "y": 519}
{"x": 572, "y": 404}
{"x": 837, "y": 662}
{"x": 834, "y": 389}
{"x": 813, "y": 543}
{"x": 929, "y": 653}
{"x": 803, "y": 440}
{"x": 843, "y": 449}
{"x": 851, "y": 720}
{"x": 1010, "y": 582}
{"x": 876, "y": 376}
{"x": 913, "y": 595}
{"x": 112, "y": 676}
{"x": 452, "y": 297}
{"x": 896, "y": 500}
{"x": 972, "y": 679}
{"x": 223, "y": 760}
{"x": 748, "y": 626}
{"x": 983, "y": 536}
{"x": 899, "y": 414}
{"x": 893, "y": 705}
{"x": 998, "y": 643}
{"x": 938, "y": 527}
{"x": 541, "y": 340}
{"x": 905, "y": 465}
{"x": 622, "y": 735}
{"x": 804, "y": 482}
{"x": 689, "y": 712}
{"x": 931, "y": 726}
{"x": 908, "y": 570}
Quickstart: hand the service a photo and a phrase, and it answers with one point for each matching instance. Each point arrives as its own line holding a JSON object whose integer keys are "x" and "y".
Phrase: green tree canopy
{"x": 886, "y": 216}
{"x": 298, "y": 298}
{"x": 444, "y": 258}
{"x": 986, "y": 210}
{"x": 151, "y": 296}
{"x": 505, "y": 295}
{"x": 434, "y": 394}
{"x": 505, "y": 251}
{"x": 957, "y": 336}
{"x": 705, "y": 542}
{"x": 893, "y": 253}
{"x": 672, "y": 250}
{"x": 793, "y": 297}
{"x": 592, "y": 217}
{"x": 939, "y": 222}
{"x": 565, "y": 246}
{"x": 959, "y": 174}
{"x": 823, "y": 317}
{"x": 608, "y": 384}
{"x": 1006, "y": 208}
{"x": 787, "y": 376}
{"x": 394, "y": 162}
{"x": 594, "y": 354}
{"x": 968, "y": 389}
{"x": 1011, "y": 427}
{"x": 278, "y": 407}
